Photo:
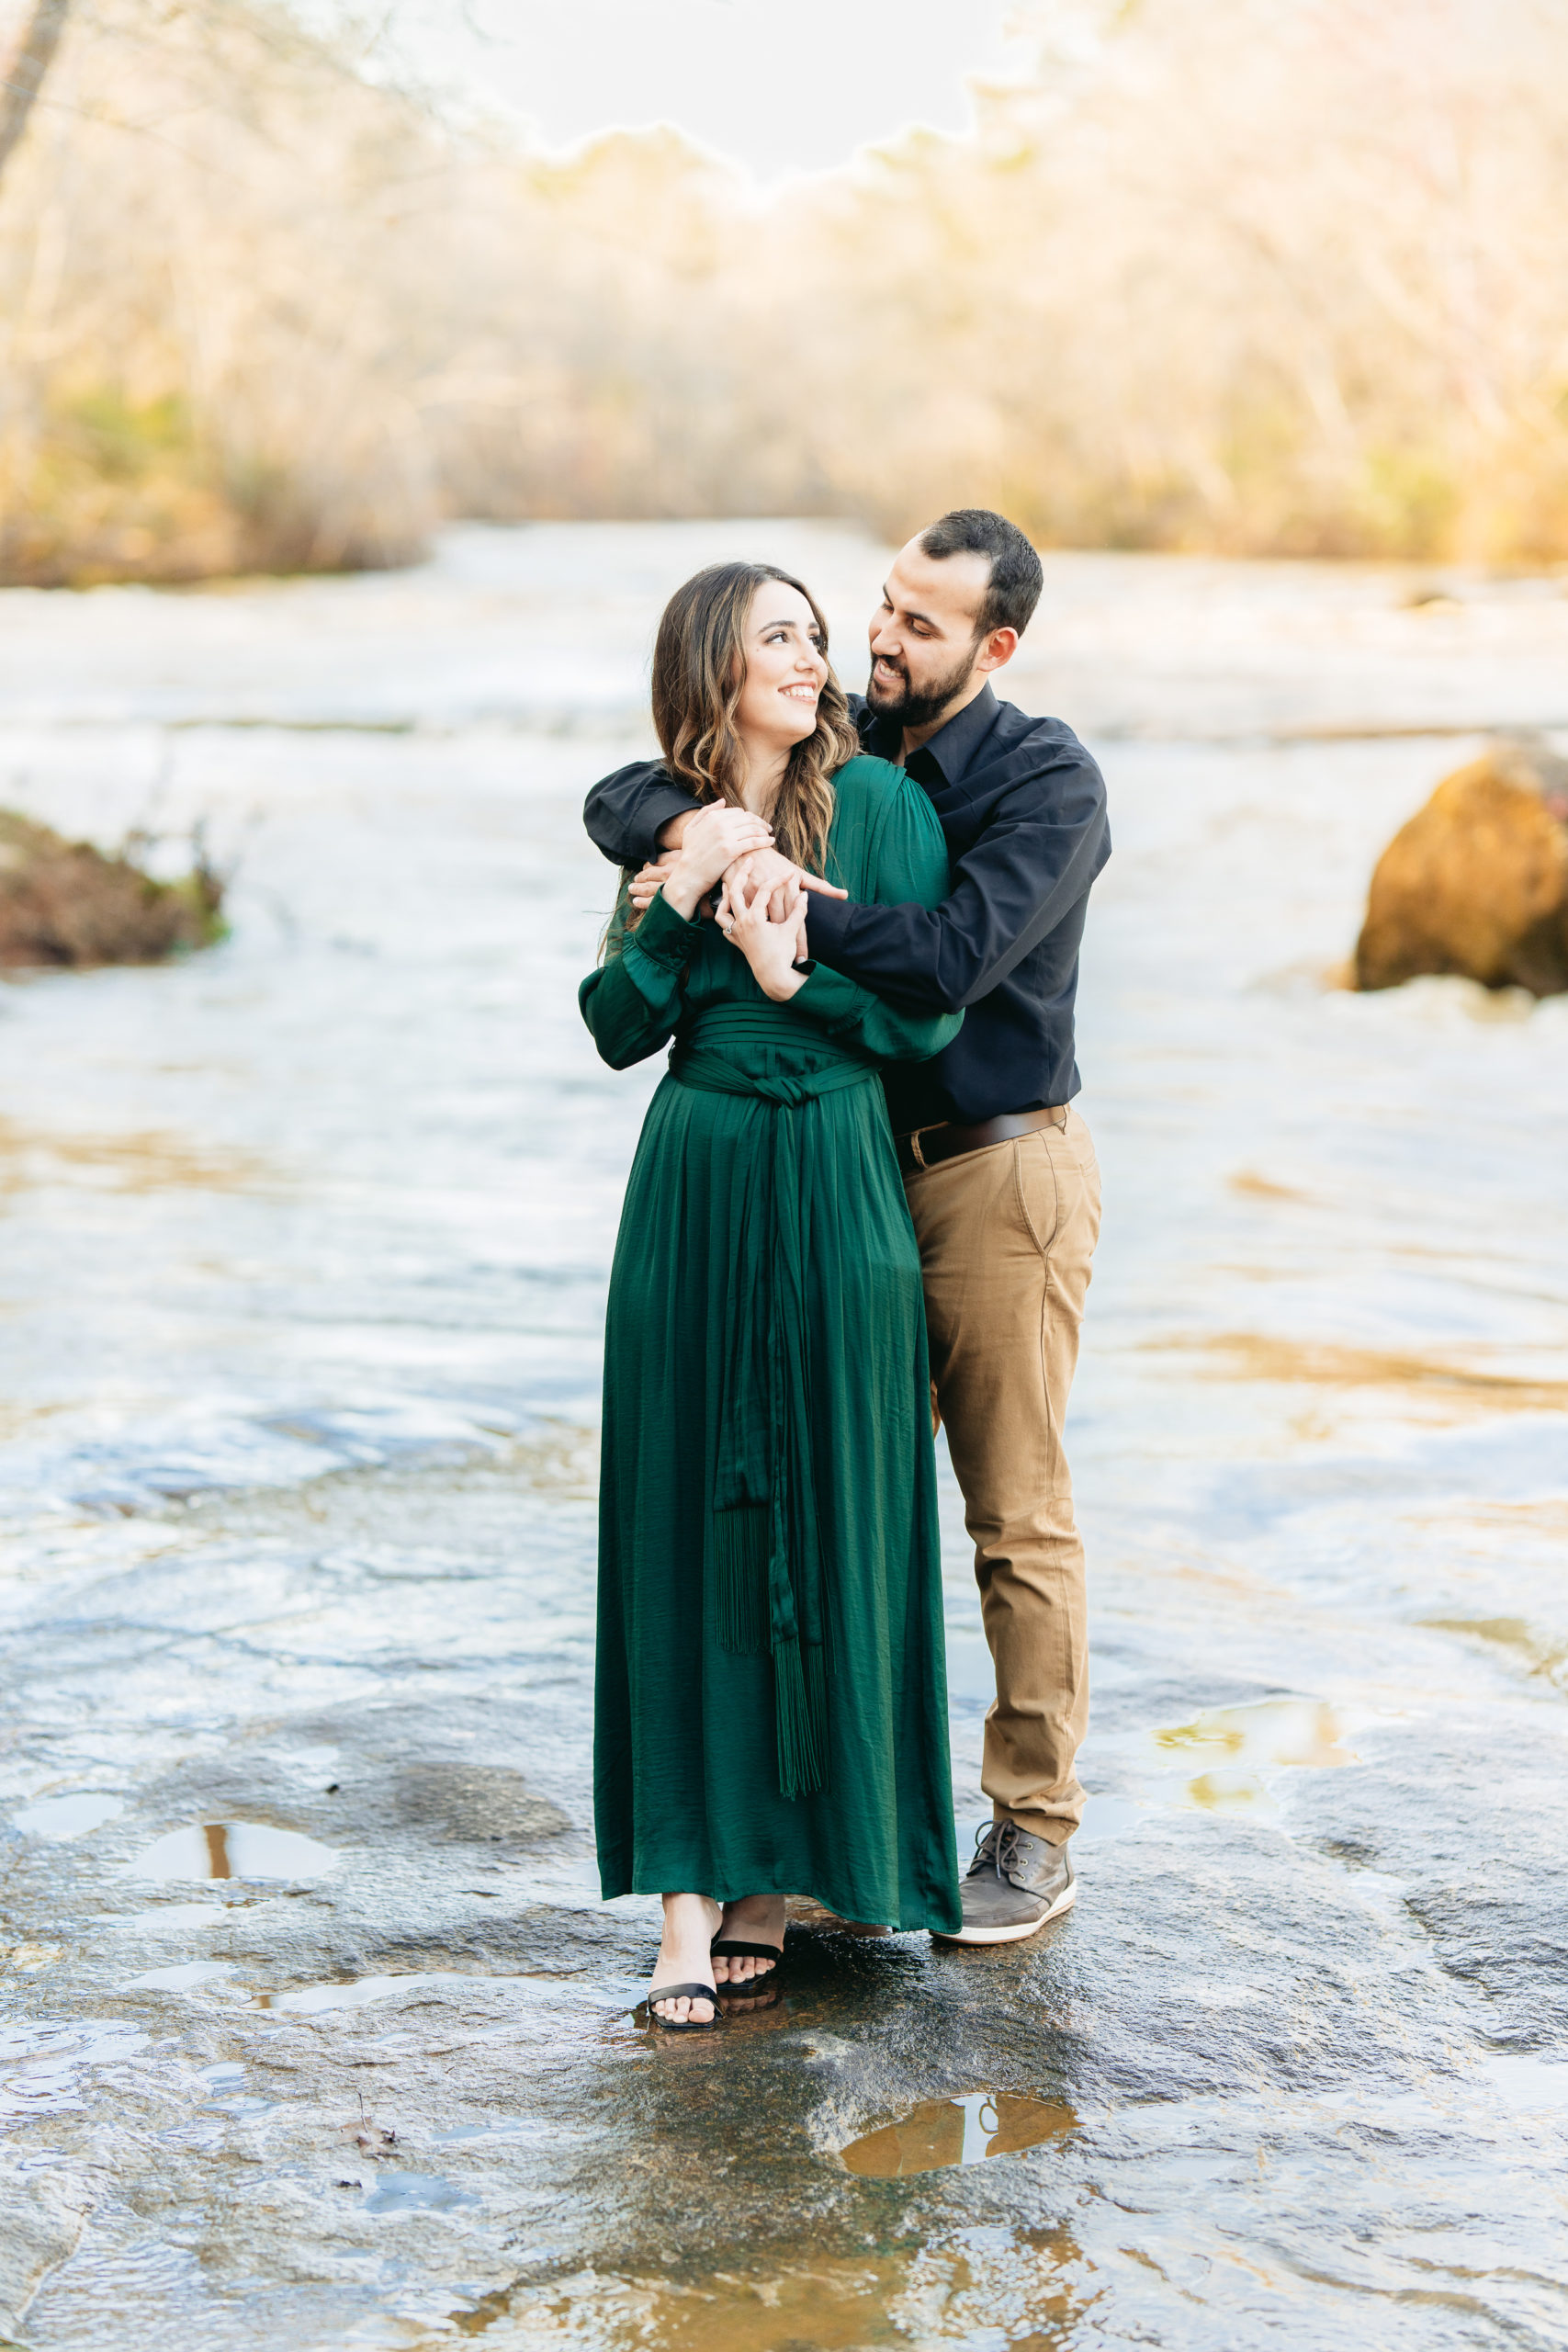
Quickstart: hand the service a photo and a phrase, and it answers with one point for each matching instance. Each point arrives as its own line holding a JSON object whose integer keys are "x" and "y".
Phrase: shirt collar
{"x": 953, "y": 746}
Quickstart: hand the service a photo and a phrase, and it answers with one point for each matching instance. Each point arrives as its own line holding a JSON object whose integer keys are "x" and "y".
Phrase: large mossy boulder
{"x": 1477, "y": 882}
{"x": 66, "y": 904}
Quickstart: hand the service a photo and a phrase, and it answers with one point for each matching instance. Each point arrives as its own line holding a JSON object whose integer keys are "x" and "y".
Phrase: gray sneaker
{"x": 1014, "y": 1885}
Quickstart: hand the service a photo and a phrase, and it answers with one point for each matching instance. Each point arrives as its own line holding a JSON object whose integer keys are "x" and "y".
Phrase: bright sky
{"x": 776, "y": 85}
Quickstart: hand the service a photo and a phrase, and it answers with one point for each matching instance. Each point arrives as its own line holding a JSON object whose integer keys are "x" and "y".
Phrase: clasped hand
{"x": 762, "y": 896}
{"x": 751, "y": 865}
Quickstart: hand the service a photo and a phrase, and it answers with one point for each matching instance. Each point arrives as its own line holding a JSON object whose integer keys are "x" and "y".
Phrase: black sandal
{"x": 683, "y": 2024}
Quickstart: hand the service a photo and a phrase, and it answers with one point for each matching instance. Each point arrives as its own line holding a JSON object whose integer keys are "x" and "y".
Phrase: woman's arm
{"x": 632, "y": 1002}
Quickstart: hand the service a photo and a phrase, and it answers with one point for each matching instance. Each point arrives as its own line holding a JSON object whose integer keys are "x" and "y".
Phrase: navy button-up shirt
{"x": 1022, "y": 806}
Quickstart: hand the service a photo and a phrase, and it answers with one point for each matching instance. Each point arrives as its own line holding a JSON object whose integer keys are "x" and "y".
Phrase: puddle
{"x": 69, "y": 1817}
{"x": 505, "y": 2127}
{"x": 1238, "y": 1744}
{"x": 994, "y": 2288}
{"x": 1231, "y": 1792}
{"x": 235, "y": 1850}
{"x": 39, "y": 2063}
{"x": 308, "y": 1998}
{"x": 417, "y": 2192}
{"x": 172, "y": 1917}
{"x": 1529, "y": 2083}
{"x": 183, "y": 1978}
{"x": 944, "y": 2132}
{"x": 1297, "y": 1732}
{"x": 1106, "y": 1817}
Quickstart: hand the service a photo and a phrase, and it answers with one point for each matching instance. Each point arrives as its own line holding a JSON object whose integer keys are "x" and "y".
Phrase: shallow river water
{"x": 313, "y": 2030}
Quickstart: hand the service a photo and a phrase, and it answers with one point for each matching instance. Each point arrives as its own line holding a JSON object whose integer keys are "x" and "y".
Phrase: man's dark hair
{"x": 1013, "y": 589}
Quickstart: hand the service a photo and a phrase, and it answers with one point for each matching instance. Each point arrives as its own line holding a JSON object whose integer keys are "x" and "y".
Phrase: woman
{"x": 770, "y": 1708}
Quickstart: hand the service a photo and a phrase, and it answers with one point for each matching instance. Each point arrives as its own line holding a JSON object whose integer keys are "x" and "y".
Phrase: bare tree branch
{"x": 29, "y": 67}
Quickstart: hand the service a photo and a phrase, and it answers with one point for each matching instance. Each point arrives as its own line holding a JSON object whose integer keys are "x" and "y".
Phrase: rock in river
{"x": 66, "y": 903}
{"x": 1477, "y": 882}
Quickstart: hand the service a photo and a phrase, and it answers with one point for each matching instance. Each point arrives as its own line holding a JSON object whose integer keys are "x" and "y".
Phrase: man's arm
{"x": 625, "y": 811}
{"x": 1031, "y": 863}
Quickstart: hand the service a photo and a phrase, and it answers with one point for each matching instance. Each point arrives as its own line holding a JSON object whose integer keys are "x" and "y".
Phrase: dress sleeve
{"x": 632, "y": 1002}
{"x": 909, "y": 864}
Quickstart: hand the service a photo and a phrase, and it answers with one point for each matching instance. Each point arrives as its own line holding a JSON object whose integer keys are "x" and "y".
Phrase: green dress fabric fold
{"x": 770, "y": 1702}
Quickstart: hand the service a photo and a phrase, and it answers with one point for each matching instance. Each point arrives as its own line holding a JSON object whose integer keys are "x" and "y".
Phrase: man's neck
{"x": 914, "y": 737}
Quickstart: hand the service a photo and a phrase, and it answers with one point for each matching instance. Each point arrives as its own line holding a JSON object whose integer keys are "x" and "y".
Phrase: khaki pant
{"x": 1006, "y": 1237}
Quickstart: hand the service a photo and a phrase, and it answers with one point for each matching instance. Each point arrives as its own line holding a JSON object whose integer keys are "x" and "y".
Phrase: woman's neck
{"x": 763, "y": 772}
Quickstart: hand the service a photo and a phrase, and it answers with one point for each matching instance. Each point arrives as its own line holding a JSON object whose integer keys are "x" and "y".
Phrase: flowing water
{"x": 314, "y": 2032}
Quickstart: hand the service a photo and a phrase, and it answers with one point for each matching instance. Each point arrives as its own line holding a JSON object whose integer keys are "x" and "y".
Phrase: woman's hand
{"x": 772, "y": 949}
{"x": 770, "y": 871}
{"x": 713, "y": 840}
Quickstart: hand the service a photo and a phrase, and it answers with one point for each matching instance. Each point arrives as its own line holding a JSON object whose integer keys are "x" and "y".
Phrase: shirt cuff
{"x": 832, "y": 1002}
{"x": 657, "y": 806}
{"x": 827, "y": 921}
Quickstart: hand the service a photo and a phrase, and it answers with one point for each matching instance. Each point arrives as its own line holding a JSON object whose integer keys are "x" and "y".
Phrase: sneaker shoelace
{"x": 998, "y": 1847}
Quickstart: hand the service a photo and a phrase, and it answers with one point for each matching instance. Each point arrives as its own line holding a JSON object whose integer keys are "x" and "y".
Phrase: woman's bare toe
{"x": 684, "y": 2011}
{"x": 754, "y": 1920}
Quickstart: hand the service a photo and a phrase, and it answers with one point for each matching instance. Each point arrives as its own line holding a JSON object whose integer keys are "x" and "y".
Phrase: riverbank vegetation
{"x": 1276, "y": 278}
{"x": 67, "y": 906}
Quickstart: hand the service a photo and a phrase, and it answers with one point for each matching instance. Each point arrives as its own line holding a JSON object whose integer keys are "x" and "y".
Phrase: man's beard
{"x": 912, "y": 709}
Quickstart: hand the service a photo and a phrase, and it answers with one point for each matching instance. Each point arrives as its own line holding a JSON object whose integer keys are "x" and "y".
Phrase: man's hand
{"x": 769, "y": 871}
{"x": 644, "y": 887}
{"x": 669, "y": 832}
{"x": 715, "y": 836}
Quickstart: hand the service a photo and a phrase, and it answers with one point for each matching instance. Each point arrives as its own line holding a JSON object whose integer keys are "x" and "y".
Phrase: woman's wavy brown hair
{"x": 699, "y": 670}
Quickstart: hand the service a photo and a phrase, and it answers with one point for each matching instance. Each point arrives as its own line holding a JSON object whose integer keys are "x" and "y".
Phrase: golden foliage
{"x": 1266, "y": 275}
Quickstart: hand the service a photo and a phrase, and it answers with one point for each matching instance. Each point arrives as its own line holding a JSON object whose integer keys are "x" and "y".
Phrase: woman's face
{"x": 785, "y": 668}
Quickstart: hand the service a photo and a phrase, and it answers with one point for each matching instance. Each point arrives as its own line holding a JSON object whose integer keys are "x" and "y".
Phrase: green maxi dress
{"x": 770, "y": 1710}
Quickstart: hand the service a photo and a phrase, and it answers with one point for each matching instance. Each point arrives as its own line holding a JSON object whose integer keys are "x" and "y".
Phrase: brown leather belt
{"x": 928, "y": 1145}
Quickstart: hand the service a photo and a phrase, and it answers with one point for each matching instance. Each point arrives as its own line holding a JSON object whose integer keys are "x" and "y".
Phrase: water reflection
{"x": 417, "y": 2192}
{"x": 991, "y": 2286}
{"x": 1238, "y": 1744}
{"x": 184, "y": 1978}
{"x": 359, "y": 1992}
{"x": 1298, "y": 1732}
{"x": 69, "y": 1817}
{"x": 944, "y": 2132}
{"x": 235, "y": 1850}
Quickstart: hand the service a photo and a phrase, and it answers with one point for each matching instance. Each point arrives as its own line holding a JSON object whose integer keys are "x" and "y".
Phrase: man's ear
{"x": 997, "y": 649}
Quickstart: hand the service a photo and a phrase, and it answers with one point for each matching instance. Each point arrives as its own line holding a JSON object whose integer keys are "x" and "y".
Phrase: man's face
{"x": 923, "y": 646}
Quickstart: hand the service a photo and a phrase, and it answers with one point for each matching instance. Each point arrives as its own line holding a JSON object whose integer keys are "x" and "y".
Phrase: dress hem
{"x": 947, "y": 1924}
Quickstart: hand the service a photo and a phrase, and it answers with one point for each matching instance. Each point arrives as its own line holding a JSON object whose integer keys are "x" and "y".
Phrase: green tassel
{"x": 740, "y": 1562}
{"x": 800, "y": 1704}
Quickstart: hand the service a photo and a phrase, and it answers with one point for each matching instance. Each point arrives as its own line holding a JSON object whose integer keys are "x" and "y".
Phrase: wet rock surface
{"x": 1477, "y": 882}
{"x": 314, "y": 2031}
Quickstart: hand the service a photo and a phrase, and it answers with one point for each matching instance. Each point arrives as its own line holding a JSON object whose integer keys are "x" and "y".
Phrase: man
{"x": 1000, "y": 1171}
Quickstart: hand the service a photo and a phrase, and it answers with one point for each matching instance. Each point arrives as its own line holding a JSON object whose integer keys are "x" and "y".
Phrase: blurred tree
{"x": 34, "y": 55}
